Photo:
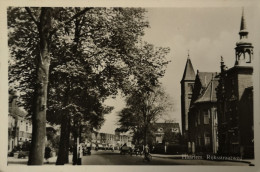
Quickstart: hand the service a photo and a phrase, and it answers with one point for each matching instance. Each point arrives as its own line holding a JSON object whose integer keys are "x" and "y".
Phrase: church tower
{"x": 244, "y": 48}
{"x": 187, "y": 84}
{"x": 235, "y": 101}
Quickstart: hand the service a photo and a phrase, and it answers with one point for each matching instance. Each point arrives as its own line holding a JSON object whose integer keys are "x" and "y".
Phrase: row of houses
{"x": 118, "y": 139}
{"x": 19, "y": 127}
{"x": 110, "y": 140}
{"x": 217, "y": 108}
{"x": 20, "y": 130}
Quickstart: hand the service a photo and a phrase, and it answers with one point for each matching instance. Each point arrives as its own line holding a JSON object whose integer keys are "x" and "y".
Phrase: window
{"x": 175, "y": 130}
{"x": 160, "y": 129}
{"x": 199, "y": 139}
{"x": 198, "y": 118}
{"x": 247, "y": 57}
{"x": 190, "y": 88}
{"x": 206, "y": 117}
{"x": 207, "y": 138}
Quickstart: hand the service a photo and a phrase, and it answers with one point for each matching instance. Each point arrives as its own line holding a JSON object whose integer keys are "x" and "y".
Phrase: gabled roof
{"x": 205, "y": 78}
{"x": 209, "y": 95}
{"x": 166, "y": 125}
{"x": 189, "y": 73}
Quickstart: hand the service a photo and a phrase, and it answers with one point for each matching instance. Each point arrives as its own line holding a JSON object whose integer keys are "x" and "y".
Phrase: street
{"x": 102, "y": 157}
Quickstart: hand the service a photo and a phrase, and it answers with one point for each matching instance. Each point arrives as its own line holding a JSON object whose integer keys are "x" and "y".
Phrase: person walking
{"x": 47, "y": 154}
{"x": 80, "y": 154}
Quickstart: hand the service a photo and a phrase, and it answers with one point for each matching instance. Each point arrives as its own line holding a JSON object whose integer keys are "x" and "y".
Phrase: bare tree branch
{"x": 31, "y": 15}
{"x": 72, "y": 18}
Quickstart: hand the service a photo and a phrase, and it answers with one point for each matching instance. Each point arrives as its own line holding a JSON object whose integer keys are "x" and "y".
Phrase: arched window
{"x": 247, "y": 56}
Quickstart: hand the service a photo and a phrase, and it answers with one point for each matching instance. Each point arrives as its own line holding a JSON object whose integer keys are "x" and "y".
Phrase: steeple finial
{"x": 243, "y": 23}
{"x": 188, "y": 53}
{"x": 222, "y": 64}
{"x": 244, "y": 48}
{"x": 243, "y": 32}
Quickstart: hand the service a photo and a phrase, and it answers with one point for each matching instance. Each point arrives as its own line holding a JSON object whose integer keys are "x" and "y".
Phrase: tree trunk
{"x": 64, "y": 140}
{"x": 39, "y": 115}
{"x": 67, "y": 144}
{"x": 63, "y": 155}
{"x": 75, "y": 136}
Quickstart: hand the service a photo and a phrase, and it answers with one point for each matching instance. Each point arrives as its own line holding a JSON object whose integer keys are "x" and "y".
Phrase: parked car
{"x": 125, "y": 149}
{"x": 21, "y": 154}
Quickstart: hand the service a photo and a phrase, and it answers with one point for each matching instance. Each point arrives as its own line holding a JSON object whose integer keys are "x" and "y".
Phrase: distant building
{"x": 162, "y": 128}
{"x": 106, "y": 139}
{"x": 203, "y": 114}
{"x": 123, "y": 138}
{"x": 235, "y": 100}
{"x": 19, "y": 128}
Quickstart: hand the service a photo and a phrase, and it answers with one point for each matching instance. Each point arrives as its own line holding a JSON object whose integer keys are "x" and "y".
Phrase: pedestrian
{"x": 47, "y": 154}
{"x": 146, "y": 152}
{"x": 80, "y": 154}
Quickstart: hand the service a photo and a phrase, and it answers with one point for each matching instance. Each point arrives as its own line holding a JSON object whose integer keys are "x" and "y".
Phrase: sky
{"x": 206, "y": 33}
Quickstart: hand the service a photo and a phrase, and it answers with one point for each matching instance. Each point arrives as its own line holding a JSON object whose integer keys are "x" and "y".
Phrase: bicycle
{"x": 147, "y": 157}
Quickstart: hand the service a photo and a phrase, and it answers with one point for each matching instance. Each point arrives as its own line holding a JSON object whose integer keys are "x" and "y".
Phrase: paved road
{"x": 114, "y": 158}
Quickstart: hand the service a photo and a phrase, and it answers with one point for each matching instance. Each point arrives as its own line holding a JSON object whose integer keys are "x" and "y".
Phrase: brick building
{"x": 220, "y": 106}
{"x": 235, "y": 100}
{"x": 203, "y": 114}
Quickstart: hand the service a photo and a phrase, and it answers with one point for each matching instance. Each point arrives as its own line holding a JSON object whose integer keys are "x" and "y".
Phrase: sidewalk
{"x": 167, "y": 156}
{"x": 251, "y": 162}
{"x": 23, "y": 161}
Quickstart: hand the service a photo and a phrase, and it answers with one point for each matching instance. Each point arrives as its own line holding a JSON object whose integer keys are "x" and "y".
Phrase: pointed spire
{"x": 222, "y": 64}
{"x": 244, "y": 48}
{"x": 189, "y": 73}
{"x": 243, "y": 32}
{"x": 243, "y": 22}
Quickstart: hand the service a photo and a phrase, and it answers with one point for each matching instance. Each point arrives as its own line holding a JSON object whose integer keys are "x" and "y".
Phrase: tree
{"x": 36, "y": 34}
{"x": 88, "y": 54}
{"x": 94, "y": 65}
{"x": 171, "y": 137}
{"x": 41, "y": 19}
{"x": 144, "y": 109}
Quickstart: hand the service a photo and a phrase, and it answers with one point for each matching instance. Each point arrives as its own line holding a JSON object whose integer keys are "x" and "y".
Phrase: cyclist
{"x": 146, "y": 153}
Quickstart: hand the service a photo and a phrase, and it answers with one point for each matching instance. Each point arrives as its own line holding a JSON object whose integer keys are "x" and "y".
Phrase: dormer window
{"x": 174, "y": 130}
{"x": 160, "y": 129}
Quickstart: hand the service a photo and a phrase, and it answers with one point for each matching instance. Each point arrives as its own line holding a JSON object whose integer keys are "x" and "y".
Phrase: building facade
{"x": 19, "y": 128}
{"x": 220, "y": 114}
{"x": 203, "y": 115}
{"x": 111, "y": 140}
{"x": 162, "y": 128}
{"x": 235, "y": 100}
